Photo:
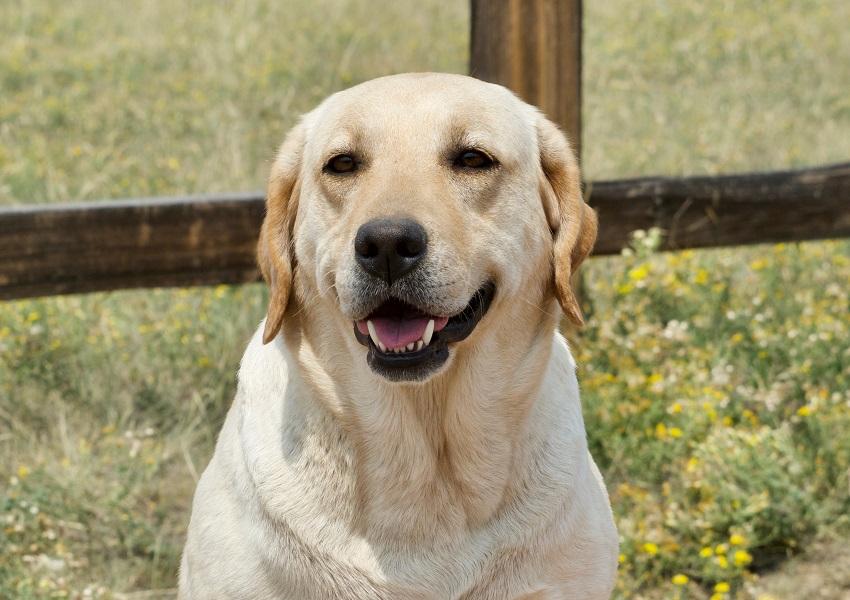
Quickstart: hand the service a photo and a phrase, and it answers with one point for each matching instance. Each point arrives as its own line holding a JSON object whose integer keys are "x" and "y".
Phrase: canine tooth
{"x": 411, "y": 346}
{"x": 419, "y": 344}
{"x": 381, "y": 347}
{"x": 374, "y": 335}
{"x": 429, "y": 331}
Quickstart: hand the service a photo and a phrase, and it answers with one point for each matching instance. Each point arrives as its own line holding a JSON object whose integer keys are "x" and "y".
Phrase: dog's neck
{"x": 439, "y": 455}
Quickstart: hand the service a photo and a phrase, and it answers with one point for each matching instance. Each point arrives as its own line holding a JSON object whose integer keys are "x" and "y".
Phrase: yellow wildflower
{"x": 23, "y": 471}
{"x": 650, "y": 548}
{"x": 717, "y": 597}
{"x": 680, "y": 579}
{"x": 675, "y": 432}
{"x": 742, "y": 558}
{"x": 661, "y": 431}
{"x": 639, "y": 273}
{"x": 737, "y": 539}
{"x": 621, "y": 559}
{"x": 722, "y": 587}
{"x": 701, "y": 277}
{"x": 804, "y": 411}
{"x": 722, "y": 562}
{"x": 759, "y": 264}
{"x": 721, "y": 549}
{"x": 706, "y": 552}
{"x": 676, "y": 408}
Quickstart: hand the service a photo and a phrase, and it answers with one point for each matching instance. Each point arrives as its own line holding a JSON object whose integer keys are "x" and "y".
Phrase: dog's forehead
{"x": 416, "y": 109}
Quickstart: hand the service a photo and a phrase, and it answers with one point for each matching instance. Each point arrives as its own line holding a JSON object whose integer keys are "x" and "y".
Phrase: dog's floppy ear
{"x": 275, "y": 248}
{"x": 573, "y": 222}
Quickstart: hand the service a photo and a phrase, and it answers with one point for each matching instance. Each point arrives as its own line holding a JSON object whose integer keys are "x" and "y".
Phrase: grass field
{"x": 716, "y": 384}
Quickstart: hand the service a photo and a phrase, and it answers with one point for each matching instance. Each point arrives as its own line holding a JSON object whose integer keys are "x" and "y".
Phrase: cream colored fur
{"x": 329, "y": 481}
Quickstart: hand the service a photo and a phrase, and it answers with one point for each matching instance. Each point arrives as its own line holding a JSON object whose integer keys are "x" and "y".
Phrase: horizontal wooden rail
{"x": 726, "y": 210}
{"x": 63, "y": 249}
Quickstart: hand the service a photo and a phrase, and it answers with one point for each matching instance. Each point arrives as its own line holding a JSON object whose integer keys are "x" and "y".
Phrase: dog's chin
{"x": 407, "y": 344}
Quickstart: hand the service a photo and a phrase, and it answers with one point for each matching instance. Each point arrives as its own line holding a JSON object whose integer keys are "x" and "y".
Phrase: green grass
{"x": 715, "y": 383}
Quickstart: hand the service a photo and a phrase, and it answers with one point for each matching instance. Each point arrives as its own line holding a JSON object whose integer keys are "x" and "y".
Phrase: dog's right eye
{"x": 471, "y": 158}
{"x": 341, "y": 163}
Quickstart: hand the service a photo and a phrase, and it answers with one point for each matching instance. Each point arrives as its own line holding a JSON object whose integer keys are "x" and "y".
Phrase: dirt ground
{"x": 821, "y": 574}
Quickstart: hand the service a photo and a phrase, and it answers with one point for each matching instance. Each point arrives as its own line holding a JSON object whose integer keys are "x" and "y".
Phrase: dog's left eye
{"x": 473, "y": 159}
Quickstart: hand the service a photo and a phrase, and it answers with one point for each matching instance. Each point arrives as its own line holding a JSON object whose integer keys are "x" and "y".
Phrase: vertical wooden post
{"x": 532, "y": 47}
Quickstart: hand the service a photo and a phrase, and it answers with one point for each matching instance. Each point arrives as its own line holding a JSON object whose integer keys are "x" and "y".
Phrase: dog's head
{"x": 420, "y": 206}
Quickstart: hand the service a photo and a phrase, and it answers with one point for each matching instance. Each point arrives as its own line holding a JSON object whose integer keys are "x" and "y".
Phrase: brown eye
{"x": 342, "y": 163}
{"x": 473, "y": 159}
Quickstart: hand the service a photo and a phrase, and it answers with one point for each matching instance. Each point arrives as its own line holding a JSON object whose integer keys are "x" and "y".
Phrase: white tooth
{"x": 374, "y": 334}
{"x": 429, "y": 331}
{"x": 411, "y": 346}
{"x": 381, "y": 347}
{"x": 419, "y": 344}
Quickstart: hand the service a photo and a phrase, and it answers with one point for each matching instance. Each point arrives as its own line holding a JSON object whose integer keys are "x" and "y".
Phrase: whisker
{"x": 545, "y": 312}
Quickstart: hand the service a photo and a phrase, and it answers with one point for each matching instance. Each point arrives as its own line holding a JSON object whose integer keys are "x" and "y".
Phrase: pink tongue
{"x": 395, "y": 332}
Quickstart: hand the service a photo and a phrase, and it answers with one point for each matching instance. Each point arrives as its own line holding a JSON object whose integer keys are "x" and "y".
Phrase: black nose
{"x": 389, "y": 248}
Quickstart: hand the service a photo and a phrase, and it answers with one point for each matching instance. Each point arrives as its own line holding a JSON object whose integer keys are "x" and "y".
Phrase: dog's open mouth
{"x": 406, "y": 343}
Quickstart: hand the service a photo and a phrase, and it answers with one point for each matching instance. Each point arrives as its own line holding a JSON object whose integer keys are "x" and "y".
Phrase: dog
{"x": 407, "y": 422}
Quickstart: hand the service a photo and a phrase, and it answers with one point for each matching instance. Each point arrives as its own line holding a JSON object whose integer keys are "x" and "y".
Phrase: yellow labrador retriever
{"x": 407, "y": 423}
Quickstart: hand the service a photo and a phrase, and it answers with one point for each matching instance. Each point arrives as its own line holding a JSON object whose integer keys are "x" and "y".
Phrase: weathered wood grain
{"x": 62, "y": 249}
{"x": 727, "y": 210}
{"x": 532, "y": 47}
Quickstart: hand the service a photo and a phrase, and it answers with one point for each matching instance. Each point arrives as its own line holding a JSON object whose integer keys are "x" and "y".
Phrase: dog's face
{"x": 415, "y": 204}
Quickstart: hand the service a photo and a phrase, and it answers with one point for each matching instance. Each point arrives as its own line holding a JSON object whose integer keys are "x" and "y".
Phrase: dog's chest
{"x": 415, "y": 534}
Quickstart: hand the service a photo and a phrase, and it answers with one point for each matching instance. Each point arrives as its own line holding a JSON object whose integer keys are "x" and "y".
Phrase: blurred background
{"x": 716, "y": 383}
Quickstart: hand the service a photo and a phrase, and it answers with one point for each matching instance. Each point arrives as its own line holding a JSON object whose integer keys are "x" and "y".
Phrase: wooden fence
{"x": 531, "y": 46}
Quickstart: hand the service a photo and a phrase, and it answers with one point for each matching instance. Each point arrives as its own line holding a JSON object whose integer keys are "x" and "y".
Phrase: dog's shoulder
{"x": 264, "y": 368}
